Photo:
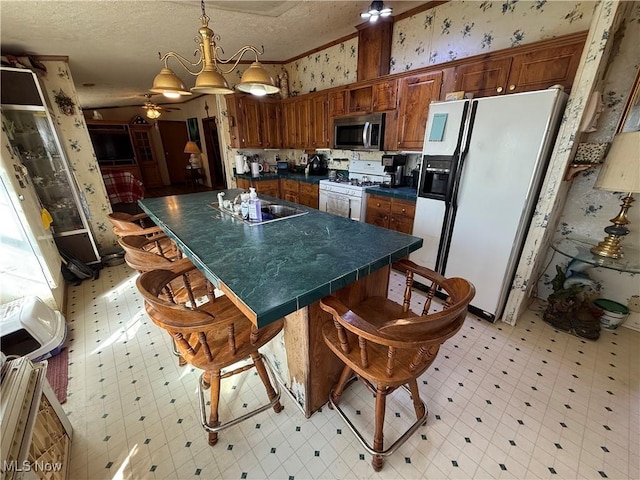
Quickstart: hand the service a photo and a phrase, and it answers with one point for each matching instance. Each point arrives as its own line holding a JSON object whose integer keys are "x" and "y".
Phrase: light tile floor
{"x": 505, "y": 402}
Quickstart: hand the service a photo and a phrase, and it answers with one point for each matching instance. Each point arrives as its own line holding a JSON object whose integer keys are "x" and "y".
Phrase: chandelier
{"x": 209, "y": 79}
{"x": 153, "y": 113}
{"x": 376, "y": 9}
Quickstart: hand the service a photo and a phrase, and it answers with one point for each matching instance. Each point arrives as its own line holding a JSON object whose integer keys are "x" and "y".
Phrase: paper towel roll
{"x": 240, "y": 163}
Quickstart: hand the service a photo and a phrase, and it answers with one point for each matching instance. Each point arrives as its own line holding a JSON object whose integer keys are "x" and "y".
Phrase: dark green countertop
{"x": 406, "y": 193}
{"x": 301, "y": 177}
{"x": 280, "y": 267}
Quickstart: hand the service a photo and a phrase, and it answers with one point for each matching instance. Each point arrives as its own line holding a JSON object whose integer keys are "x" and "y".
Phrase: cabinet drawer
{"x": 379, "y": 204}
{"x": 403, "y": 208}
{"x": 309, "y": 188}
{"x": 290, "y": 185}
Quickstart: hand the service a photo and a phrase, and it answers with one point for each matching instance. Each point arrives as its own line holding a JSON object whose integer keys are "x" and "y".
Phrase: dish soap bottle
{"x": 255, "y": 212}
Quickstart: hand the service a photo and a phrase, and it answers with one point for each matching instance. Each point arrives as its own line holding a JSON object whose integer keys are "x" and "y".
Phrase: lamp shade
{"x": 257, "y": 81}
{"x": 191, "y": 147}
{"x": 621, "y": 169}
{"x": 169, "y": 84}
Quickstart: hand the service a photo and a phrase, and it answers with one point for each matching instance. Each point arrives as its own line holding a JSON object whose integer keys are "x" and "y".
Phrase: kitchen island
{"x": 281, "y": 269}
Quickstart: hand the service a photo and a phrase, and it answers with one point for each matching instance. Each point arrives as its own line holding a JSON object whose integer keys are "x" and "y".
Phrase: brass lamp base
{"x": 610, "y": 247}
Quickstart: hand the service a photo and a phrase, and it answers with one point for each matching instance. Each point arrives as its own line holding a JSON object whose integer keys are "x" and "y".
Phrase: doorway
{"x": 212, "y": 142}
{"x": 174, "y": 137}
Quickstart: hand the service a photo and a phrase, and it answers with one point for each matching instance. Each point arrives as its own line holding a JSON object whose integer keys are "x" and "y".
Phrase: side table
{"x": 569, "y": 307}
{"x": 194, "y": 175}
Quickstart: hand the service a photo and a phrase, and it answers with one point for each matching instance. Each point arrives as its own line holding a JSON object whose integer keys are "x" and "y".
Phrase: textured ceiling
{"x": 114, "y": 44}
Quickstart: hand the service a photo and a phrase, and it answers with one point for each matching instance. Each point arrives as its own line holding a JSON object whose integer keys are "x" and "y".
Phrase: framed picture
{"x": 630, "y": 121}
{"x": 193, "y": 131}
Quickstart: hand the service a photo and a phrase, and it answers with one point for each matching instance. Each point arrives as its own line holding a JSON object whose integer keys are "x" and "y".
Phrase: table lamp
{"x": 620, "y": 173}
{"x": 194, "y": 159}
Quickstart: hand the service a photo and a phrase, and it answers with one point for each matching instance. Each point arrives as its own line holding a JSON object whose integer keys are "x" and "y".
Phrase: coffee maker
{"x": 394, "y": 167}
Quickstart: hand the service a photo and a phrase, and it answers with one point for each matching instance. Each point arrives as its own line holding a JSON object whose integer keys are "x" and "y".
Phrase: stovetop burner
{"x": 355, "y": 182}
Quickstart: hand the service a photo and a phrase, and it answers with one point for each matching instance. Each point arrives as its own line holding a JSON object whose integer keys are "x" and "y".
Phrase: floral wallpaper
{"x": 75, "y": 140}
{"x": 587, "y": 210}
{"x": 464, "y": 28}
{"x": 331, "y": 67}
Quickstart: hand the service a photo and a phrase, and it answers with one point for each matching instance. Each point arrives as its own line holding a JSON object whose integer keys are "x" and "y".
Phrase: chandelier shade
{"x": 257, "y": 81}
{"x": 210, "y": 78}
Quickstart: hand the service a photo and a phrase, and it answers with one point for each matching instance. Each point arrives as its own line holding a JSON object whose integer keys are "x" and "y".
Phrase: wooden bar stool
{"x": 211, "y": 335}
{"x": 386, "y": 346}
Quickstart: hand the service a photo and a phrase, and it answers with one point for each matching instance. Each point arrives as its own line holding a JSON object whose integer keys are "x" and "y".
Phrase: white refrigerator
{"x": 483, "y": 163}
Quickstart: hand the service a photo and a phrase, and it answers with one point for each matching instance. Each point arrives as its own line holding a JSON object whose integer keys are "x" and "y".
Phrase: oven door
{"x": 340, "y": 204}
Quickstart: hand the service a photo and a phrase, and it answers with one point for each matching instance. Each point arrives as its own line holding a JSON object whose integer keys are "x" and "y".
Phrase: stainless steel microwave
{"x": 365, "y": 132}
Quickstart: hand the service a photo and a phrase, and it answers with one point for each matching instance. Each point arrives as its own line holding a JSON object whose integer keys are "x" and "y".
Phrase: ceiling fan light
{"x": 385, "y": 12}
{"x": 373, "y": 19}
{"x": 168, "y": 82}
{"x": 365, "y": 15}
{"x": 211, "y": 82}
{"x": 256, "y": 76}
{"x": 152, "y": 113}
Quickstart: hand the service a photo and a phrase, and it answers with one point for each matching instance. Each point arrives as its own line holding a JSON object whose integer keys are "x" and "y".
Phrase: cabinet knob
{"x": 499, "y": 89}
{"x": 404, "y": 210}
{"x": 512, "y": 88}
{"x": 378, "y": 204}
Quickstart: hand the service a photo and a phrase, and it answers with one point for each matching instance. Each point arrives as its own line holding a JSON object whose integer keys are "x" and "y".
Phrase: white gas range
{"x": 347, "y": 197}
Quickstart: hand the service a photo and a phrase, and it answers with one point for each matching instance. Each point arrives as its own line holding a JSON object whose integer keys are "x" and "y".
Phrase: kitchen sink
{"x": 271, "y": 212}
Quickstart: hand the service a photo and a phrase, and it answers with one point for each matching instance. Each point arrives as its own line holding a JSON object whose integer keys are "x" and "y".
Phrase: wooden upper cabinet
{"x": 245, "y": 122}
{"x": 536, "y": 67}
{"x": 374, "y": 48}
{"x": 543, "y": 68}
{"x": 319, "y": 121}
{"x": 416, "y": 93}
{"x": 360, "y": 99}
{"x": 272, "y": 123}
{"x": 385, "y": 96}
{"x": 252, "y": 123}
{"x": 338, "y": 103}
{"x": 303, "y": 122}
{"x": 290, "y": 124}
{"x": 483, "y": 79}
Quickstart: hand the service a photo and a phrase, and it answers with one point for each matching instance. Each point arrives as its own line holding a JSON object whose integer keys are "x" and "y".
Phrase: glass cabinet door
{"x": 34, "y": 142}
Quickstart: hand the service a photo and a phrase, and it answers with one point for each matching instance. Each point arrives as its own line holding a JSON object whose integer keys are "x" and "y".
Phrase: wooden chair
{"x": 126, "y": 224}
{"x": 211, "y": 336}
{"x": 140, "y": 225}
{"x": 386, "y": 346}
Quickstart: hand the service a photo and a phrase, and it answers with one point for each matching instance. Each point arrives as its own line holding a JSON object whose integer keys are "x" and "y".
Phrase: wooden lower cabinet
{"x": 289, "y": 190}
{"x": 392, "y": 213}
{"x": 268, "y": 187}
{"x": 309, "y": 195}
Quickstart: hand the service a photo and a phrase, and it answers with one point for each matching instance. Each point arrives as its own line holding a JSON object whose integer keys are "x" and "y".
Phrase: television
{"x": 112, "y": 144}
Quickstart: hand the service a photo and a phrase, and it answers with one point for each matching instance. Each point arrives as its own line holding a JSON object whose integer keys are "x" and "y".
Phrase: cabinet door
{"x": 268, "y": 187}
{"x": 243, "y": 183}
{"x": 145, "y": 155}
{"x": 309, "y": 194}
{"x": 290, "y": 124}
{"x": 378, "y": 209}
{"x": 402, "y": 214}
{"x": 320, "y": 121}
{"x": 272, "y": 124}
{"x": 338, "y": 103}
{"x": 385, "y": 96}
{"x": 483, "y": 79}
{"x": 289, "y": 190}
{"x": 416, "y": 93}
{"x": 251, "y": 123}
{"x": 233, "y": 111}
{"x": 543, "y": 68}
{"x": 303, "y": 123}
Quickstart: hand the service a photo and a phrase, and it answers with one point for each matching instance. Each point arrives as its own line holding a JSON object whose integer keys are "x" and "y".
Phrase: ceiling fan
{"x": 154, "y": 110}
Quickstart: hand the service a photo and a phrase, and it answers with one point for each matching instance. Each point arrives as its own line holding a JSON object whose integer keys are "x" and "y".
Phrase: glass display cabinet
{"x": 34, "y": 141}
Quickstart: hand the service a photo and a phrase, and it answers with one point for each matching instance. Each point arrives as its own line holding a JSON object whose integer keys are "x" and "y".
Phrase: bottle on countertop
{"x": 255, "y": 210}
{"x": 244, "y": 205}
